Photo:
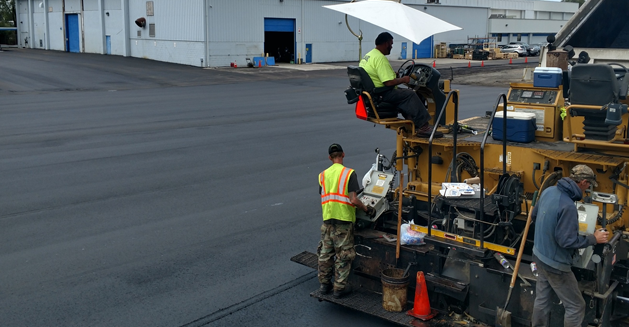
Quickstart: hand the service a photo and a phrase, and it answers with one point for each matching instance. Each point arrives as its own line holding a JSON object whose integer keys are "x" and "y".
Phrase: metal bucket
{"x": 394, "y": 287}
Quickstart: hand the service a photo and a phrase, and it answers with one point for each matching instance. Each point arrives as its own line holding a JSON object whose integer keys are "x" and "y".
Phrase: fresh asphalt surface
{"x": 140, "y": 193}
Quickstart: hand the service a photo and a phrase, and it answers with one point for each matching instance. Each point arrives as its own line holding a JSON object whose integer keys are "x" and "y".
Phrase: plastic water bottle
{"x": 503, "y": 261}
{"x": 534, "y": 269}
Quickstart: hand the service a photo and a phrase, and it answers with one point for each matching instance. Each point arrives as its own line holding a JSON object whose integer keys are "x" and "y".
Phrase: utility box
{"x": 520, "y": 126}
{"x": 547, "y": 77}
{"x": 557, "y": 58}
{"x": 258, "y": 62}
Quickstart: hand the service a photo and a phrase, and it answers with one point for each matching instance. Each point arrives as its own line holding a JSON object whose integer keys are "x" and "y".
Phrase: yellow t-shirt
{"x": 378, "y": 67}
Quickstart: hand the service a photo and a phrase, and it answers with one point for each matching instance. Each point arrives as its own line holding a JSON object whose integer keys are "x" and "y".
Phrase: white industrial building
{"x": 210, "y": 33}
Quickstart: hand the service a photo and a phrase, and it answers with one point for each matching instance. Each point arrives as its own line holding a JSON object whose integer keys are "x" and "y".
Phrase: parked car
{"x": 535, "y": 49}
{"x": 517, "y": 48}
{"x": 526, "y": 46}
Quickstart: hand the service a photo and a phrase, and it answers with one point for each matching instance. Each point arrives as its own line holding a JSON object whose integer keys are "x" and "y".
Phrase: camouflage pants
{"x": 336, "y": 252}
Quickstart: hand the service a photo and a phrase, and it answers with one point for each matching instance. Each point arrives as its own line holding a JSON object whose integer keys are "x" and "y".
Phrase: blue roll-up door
{"x": 72, "y": 32}
{"x": 279, "y": 25}
{"x": 424, "y": 49}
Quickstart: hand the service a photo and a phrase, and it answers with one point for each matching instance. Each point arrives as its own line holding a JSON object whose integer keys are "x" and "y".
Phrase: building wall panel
{"x": 185, "y": 53}
{"x": 57, "y": 29}
{"x": 90, "y": 5}
{"x": 173, "y": 21}
{"x": 74, "y": 5}
{"x": 114, "y": 28}
{"x": 93, "y": 32}
{"x": 39, "y": 30}
{"x": 56, "y": 5}
{"x": 113, "y": 5}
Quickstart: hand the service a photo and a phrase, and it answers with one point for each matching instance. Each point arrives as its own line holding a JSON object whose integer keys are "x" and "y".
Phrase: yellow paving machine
{"x": 456, "y": 210}
{"x": 506, "y": 160}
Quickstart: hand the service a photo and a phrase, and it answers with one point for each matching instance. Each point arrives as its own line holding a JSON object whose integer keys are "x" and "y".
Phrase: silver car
{"x": 517, "y": 48}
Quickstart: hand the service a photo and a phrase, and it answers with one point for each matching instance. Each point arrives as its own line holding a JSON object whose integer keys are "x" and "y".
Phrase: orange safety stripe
{"x": 337, "y": 197}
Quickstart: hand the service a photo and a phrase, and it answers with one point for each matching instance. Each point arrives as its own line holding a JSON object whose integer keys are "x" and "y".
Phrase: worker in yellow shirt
{"x": 407, "y": 101}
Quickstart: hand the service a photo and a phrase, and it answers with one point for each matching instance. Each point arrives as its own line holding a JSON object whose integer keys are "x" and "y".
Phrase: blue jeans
{"x": 566, "y": 287}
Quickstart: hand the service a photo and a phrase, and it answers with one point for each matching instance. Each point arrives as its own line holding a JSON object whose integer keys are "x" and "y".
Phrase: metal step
{"x": 371, "y": 303}
{"x": 307, "y": 259}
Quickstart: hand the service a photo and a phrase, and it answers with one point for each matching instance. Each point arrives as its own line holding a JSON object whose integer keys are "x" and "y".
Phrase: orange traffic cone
{"x": 421, "y": 304}
{"x": 259, "y": 63}
{"x": 510, "y": 61}
{"x": 482, "y": 63}
{"x": 434, "y": 64}
{"x": 526, "y": 60}
{"x": 469, "y": 64}
{"x": 235, "y": 64}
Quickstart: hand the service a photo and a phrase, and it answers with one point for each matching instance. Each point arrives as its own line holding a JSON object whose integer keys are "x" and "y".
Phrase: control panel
{"x": 369, "y": 200}
{"x": 588, "y": 213}
{"x": 533, "y": 96}
{"x": 374, "y": 194}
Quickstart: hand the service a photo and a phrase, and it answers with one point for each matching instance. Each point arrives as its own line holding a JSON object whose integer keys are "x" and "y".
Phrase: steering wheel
{"x": 623, "y": 79}
{"x": 406, "y": 69}
{"x": 423, "y": 74}
{"x": 619, "y": 75}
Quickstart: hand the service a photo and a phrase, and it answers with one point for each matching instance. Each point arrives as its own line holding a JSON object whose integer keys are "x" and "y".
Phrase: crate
{"x": 441, "y": 50}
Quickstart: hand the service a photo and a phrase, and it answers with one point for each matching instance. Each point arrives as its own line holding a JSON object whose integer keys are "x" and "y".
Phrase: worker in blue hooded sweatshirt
{"x": 556, "y": 239}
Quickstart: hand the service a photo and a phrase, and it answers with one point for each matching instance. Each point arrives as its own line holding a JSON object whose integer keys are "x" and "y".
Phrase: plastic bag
{"x": 409, "y": 236}
{"x": 367, "y": 177}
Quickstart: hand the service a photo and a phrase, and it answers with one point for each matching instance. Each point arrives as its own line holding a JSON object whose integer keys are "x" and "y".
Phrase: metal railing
{"x": 482, "y": 159}
{"x": 455, "y": 128}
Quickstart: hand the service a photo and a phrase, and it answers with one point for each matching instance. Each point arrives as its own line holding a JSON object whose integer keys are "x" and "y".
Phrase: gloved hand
{"x": 371, "y": 211}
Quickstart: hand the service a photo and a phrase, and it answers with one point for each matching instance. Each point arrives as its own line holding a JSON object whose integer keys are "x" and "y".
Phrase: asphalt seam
{"x": 224, "y": 312}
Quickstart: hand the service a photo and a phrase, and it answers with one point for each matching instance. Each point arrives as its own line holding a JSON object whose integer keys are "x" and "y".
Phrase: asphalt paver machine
{"x": 508, "y": 159}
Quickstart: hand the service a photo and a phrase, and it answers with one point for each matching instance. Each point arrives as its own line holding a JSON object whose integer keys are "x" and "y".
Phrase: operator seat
{"x": 361, "y": 83}
{"x": 595, "y": 85}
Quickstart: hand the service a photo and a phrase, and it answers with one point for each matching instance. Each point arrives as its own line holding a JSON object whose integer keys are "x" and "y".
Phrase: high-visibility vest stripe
{"x": 322, "y": 182}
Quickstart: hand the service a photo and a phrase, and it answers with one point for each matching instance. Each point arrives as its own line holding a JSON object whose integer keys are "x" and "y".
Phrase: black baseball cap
{"x": 335, "y": 147}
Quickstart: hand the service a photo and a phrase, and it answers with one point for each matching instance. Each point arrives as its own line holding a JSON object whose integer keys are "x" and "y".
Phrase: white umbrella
{"x": 400, "y": 19}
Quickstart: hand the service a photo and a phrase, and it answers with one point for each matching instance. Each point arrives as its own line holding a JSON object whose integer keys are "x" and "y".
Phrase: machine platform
{"x": 371, "y": 303}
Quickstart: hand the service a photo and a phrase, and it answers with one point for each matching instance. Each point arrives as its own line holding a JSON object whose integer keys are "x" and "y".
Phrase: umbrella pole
{"x": 360, "y": 38}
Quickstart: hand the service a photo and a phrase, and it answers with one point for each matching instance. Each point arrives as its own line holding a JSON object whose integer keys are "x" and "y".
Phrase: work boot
{"x": 325, "y": 288}
{"x": 341, "y": 293}
{"x": 426, "y": 130}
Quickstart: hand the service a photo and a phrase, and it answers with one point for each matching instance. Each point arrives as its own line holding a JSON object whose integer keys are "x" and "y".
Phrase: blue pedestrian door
{"x": 108, "y": 41}
{"x": 403, "y": 54}
{"x": 72, "y": 33}
{"x": 424, "y": 49}
{"x": 308, "y": 52}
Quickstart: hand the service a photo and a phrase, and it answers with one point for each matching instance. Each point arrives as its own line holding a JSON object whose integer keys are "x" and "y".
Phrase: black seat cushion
{"x": 593, "y": 84}
{"x": 360, "y": 80}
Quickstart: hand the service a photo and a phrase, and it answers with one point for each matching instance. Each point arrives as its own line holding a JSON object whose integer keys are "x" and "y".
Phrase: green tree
{"x": 7, "y": 13}
{"x": 7, "y": 19}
